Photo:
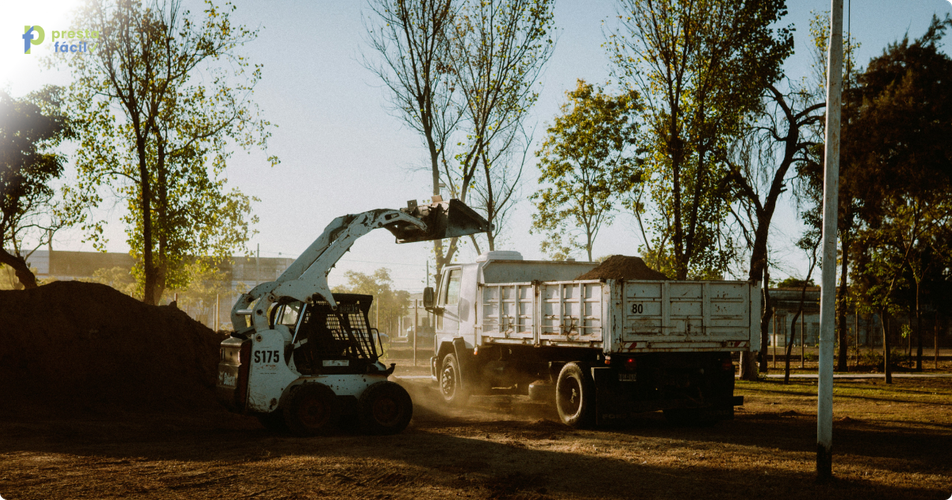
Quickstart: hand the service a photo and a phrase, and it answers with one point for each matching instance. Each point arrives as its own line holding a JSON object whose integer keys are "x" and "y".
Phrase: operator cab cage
{"x": 326, "y": 340}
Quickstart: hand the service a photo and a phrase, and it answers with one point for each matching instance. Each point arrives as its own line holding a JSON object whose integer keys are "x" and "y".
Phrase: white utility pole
{"x": 831, "y": 188}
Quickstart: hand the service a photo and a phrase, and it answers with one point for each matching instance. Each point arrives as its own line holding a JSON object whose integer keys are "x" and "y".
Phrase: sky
{"x": 343, "y": 150}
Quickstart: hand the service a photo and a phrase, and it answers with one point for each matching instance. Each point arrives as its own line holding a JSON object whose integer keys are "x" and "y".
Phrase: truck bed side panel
{"x": 620, "y": 316}
{"x": 685, "y": 315}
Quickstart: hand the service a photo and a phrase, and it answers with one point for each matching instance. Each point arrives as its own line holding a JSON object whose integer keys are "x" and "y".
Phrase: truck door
{"x": 448, "y": 300}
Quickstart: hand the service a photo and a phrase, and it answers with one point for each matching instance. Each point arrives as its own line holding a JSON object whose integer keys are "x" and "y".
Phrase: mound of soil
{"x": 623, "y": 267}
{"x": 73, "y": 346}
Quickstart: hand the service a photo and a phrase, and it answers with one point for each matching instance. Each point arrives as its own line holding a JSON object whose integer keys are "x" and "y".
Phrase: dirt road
{"x": 886, "y": 446}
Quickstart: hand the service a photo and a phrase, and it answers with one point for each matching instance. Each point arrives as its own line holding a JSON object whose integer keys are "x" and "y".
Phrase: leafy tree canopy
{"x": 163, "y": 101}
{"x": 30, "y": 129}
{"x": 588, "y": 157}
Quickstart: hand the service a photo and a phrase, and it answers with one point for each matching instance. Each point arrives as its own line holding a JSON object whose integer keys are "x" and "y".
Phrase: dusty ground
{"x": 889, "y": 442}
{"x": 103, "y": 397}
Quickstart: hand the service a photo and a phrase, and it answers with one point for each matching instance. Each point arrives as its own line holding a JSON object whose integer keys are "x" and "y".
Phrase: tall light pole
{"x": 831, "y": 187}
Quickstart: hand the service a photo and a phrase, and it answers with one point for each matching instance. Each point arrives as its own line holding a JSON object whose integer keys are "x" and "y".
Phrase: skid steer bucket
{"x": 444, "y": 219}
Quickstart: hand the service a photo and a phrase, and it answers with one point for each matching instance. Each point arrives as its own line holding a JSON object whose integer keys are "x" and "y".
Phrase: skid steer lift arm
{"x": 307, "y": 276}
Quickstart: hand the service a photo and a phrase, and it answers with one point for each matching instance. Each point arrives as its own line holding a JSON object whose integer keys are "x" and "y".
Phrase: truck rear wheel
{"x": 311, "y": 409}
{"x": 385, "y": 408}
{"x": 451, "y": 387}
{"x": 574, "y": 396}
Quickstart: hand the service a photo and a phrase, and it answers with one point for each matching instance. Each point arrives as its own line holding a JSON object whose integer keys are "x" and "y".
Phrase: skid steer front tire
{"x": 385, "y": 408}
{"x": 311, "y": 410}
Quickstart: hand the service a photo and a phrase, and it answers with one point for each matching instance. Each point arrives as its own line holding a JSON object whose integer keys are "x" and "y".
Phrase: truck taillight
{"x": 631, "y": 364}
{"x": 727, "y": 365}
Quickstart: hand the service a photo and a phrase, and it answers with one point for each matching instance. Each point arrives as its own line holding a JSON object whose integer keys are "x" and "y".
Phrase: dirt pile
{"x": 623, "y": 267}
{"x": 85, "y": 346}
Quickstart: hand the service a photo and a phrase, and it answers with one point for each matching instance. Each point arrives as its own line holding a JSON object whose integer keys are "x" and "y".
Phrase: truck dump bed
{"x": 618, "y": 316}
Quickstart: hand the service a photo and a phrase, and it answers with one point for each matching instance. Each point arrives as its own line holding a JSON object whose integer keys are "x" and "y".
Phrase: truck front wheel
{"x": 451, "y": 387}
{"x": 574, "y": 396}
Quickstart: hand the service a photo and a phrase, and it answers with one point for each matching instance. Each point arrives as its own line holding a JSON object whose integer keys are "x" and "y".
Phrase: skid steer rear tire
{"x": 311, "y": 410}
{"x": 385, "y": 408}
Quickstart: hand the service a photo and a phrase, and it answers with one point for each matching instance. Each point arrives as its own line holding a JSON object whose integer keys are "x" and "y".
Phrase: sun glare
{"x": 22, "y": 72}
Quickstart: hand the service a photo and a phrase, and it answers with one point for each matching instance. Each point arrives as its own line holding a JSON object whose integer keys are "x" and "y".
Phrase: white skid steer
{"x": 306, "y": 360}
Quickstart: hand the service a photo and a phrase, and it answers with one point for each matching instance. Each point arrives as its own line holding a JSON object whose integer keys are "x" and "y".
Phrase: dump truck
{"x": 307, "y": 360}
{"x": 604, "y": 349}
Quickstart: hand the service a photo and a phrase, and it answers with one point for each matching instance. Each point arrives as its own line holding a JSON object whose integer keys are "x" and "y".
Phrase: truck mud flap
{"x": 613, "y": 402}
{"x": 464, "y": 360}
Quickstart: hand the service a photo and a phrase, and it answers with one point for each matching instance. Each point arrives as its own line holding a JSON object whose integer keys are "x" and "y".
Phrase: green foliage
{"x": 897, "y": 144}
{"x": 162, "y": 102}
{"x": 874, "y": 359}
{"x": 30, "y": 128}
{"x": 586, "y": 160}
{"x": 701, "y": 68}
{"x": 391, "y": 304}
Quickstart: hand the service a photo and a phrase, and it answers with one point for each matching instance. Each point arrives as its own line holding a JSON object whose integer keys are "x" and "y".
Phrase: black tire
{"x": 575, "y": 396}
{"x": 311, "y": 410}
{"x": 385, "y": 408}
{"x": 451, "y": 379}
{"x": 273, "y": 421}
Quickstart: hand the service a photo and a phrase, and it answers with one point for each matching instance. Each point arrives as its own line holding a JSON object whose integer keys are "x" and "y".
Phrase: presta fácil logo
{"x": 73, "y": 40}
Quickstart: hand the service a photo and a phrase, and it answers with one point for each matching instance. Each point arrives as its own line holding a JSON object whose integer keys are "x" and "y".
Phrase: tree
{"x": 462, "y": 75}
{"x": 810, "y": 243}
{"x": 411, "y": 39}
{"x": 29, "y": 130}
{"x": 701, "y": 67}
{"x": 391, "y": 304}
{"x": 588, "y": 155}
{"x": 162, "y": 101}
{"x": 498, "y": 51}
{"x": 898, "y": 141}
{"x": 759, "y": 175}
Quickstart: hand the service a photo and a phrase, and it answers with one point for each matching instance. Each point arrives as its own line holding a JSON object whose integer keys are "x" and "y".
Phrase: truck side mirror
{"x": 429, "y": 298}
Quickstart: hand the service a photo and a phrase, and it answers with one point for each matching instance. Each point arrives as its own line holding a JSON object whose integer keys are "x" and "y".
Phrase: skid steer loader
{"x": 306, "y": 360}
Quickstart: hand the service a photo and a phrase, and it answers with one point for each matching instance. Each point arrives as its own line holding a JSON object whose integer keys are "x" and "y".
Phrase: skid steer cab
{"x": 306, "y": 359}
{"x": 315, "y": 369}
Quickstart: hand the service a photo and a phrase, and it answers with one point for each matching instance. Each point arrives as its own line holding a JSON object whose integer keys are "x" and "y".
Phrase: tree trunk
{"x": 749, "y": 360}
{"x": 887, "y": 369}
{"x": 918, "y": 331}
{"x": 789, "y": 346}
{"x": 23, "y": 273}
{"x": 162, "y": 215}
{"x": 145, "y": 206}
{"x": 935, "y": 352}
{"x": 842, "y": 338}
{"x": 765, "y": 323}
